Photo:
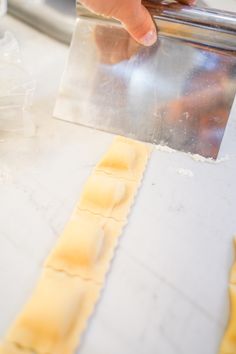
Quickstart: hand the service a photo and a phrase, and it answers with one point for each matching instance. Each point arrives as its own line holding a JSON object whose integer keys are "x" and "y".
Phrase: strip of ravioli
{"x": 56, "y": 315}
{"x": 228, "y": 345}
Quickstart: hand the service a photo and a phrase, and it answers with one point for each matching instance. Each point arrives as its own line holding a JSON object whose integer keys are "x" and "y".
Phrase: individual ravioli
{"x": 80, "y": 243}
{"x": 86, "y": 246}
{"x": 49, "y": 317}
{"x": 126, "y": 158}
{"x": 107, "y": 196}
{"x": 228, "y": 345}
{"x": 103, "y": 192}
{"x": 119, "y": 159}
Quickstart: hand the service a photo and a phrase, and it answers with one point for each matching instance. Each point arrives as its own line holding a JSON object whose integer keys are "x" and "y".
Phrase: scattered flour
{"x": 195, "y": 157}
{"x": 165, "y": 148}
{"x": 200, "y": 158}
{"x": 185, "y": 172}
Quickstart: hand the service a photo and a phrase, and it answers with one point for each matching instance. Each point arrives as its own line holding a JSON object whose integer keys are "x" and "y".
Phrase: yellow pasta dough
{"x": 233, "y": 274}
{"x": 120, "y": 157}
{"x": 49, "y": 320}
{"x": 80, "y": 243}
{"x": 10, "y": 348}
{"x": 55, "y": 316}
{"x": 107, "y": 196}
{"x": 103, "y": 192}
{"x": 125, "y": 159}
{"x": 68, "y": 255}
{"x": 228, "y": 345}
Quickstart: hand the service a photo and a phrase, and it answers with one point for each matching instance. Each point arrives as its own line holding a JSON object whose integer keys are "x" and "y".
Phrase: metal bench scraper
{"x": 178, "y": 92}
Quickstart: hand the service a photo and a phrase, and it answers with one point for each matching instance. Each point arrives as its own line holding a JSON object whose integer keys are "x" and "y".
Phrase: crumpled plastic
{"x": 16, "y": 90}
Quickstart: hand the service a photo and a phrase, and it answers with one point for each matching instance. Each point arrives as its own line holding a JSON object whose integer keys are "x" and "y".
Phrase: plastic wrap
{"x": 3, "y": 7}
{"x": 16, "y": 89}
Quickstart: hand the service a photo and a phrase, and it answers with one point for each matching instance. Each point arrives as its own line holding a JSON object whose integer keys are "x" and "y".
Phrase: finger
{"x": 138, "y": 22}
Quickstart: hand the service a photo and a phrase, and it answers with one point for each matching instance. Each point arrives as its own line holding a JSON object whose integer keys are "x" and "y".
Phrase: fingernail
{"x": 149, "y": 39}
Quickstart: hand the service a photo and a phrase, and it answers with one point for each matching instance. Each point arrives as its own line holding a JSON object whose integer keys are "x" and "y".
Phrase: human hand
{"x": 132, "y": 14}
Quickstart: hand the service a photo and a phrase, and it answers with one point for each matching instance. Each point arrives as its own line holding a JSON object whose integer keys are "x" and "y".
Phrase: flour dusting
{"x": 185, "y": 172}
{"x": 200, "y": 158}
{"x": 195, "y": 157}
{"x": 165, "y": 148}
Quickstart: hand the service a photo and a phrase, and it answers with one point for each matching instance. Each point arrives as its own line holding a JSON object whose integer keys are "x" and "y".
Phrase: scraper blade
{"x": 177, "y": 93}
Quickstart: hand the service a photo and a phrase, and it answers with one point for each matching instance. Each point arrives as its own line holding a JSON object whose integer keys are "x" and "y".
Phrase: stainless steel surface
{"x": 196, "y": 16}
{"x": 177, "y": 12}
{"x": 205, "y": 26}
{"x": 178, "y": 93}
{"x": 55, "y": 18}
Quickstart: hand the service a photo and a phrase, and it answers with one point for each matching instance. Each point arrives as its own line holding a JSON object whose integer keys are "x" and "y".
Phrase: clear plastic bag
{"x": 16, "y": 90}
{"x": 3, "y": 7}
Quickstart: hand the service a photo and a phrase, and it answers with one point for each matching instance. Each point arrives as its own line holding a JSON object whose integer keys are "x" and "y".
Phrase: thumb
{"x": 138, "y": 22}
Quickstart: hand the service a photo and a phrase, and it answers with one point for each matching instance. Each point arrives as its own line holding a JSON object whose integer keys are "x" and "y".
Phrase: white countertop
{"x": 166, "y": 292}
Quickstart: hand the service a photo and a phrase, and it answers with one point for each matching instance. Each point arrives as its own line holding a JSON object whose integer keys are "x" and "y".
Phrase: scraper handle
{"x": 200, "y": 17}
{"x": 222, "y": 20}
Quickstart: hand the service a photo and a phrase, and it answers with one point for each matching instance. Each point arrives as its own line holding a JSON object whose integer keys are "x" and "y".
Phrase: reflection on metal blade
{"x": 178, "y": 92}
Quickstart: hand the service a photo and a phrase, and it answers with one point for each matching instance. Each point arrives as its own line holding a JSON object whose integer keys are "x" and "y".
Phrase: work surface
{"x": 166, "y": 292}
